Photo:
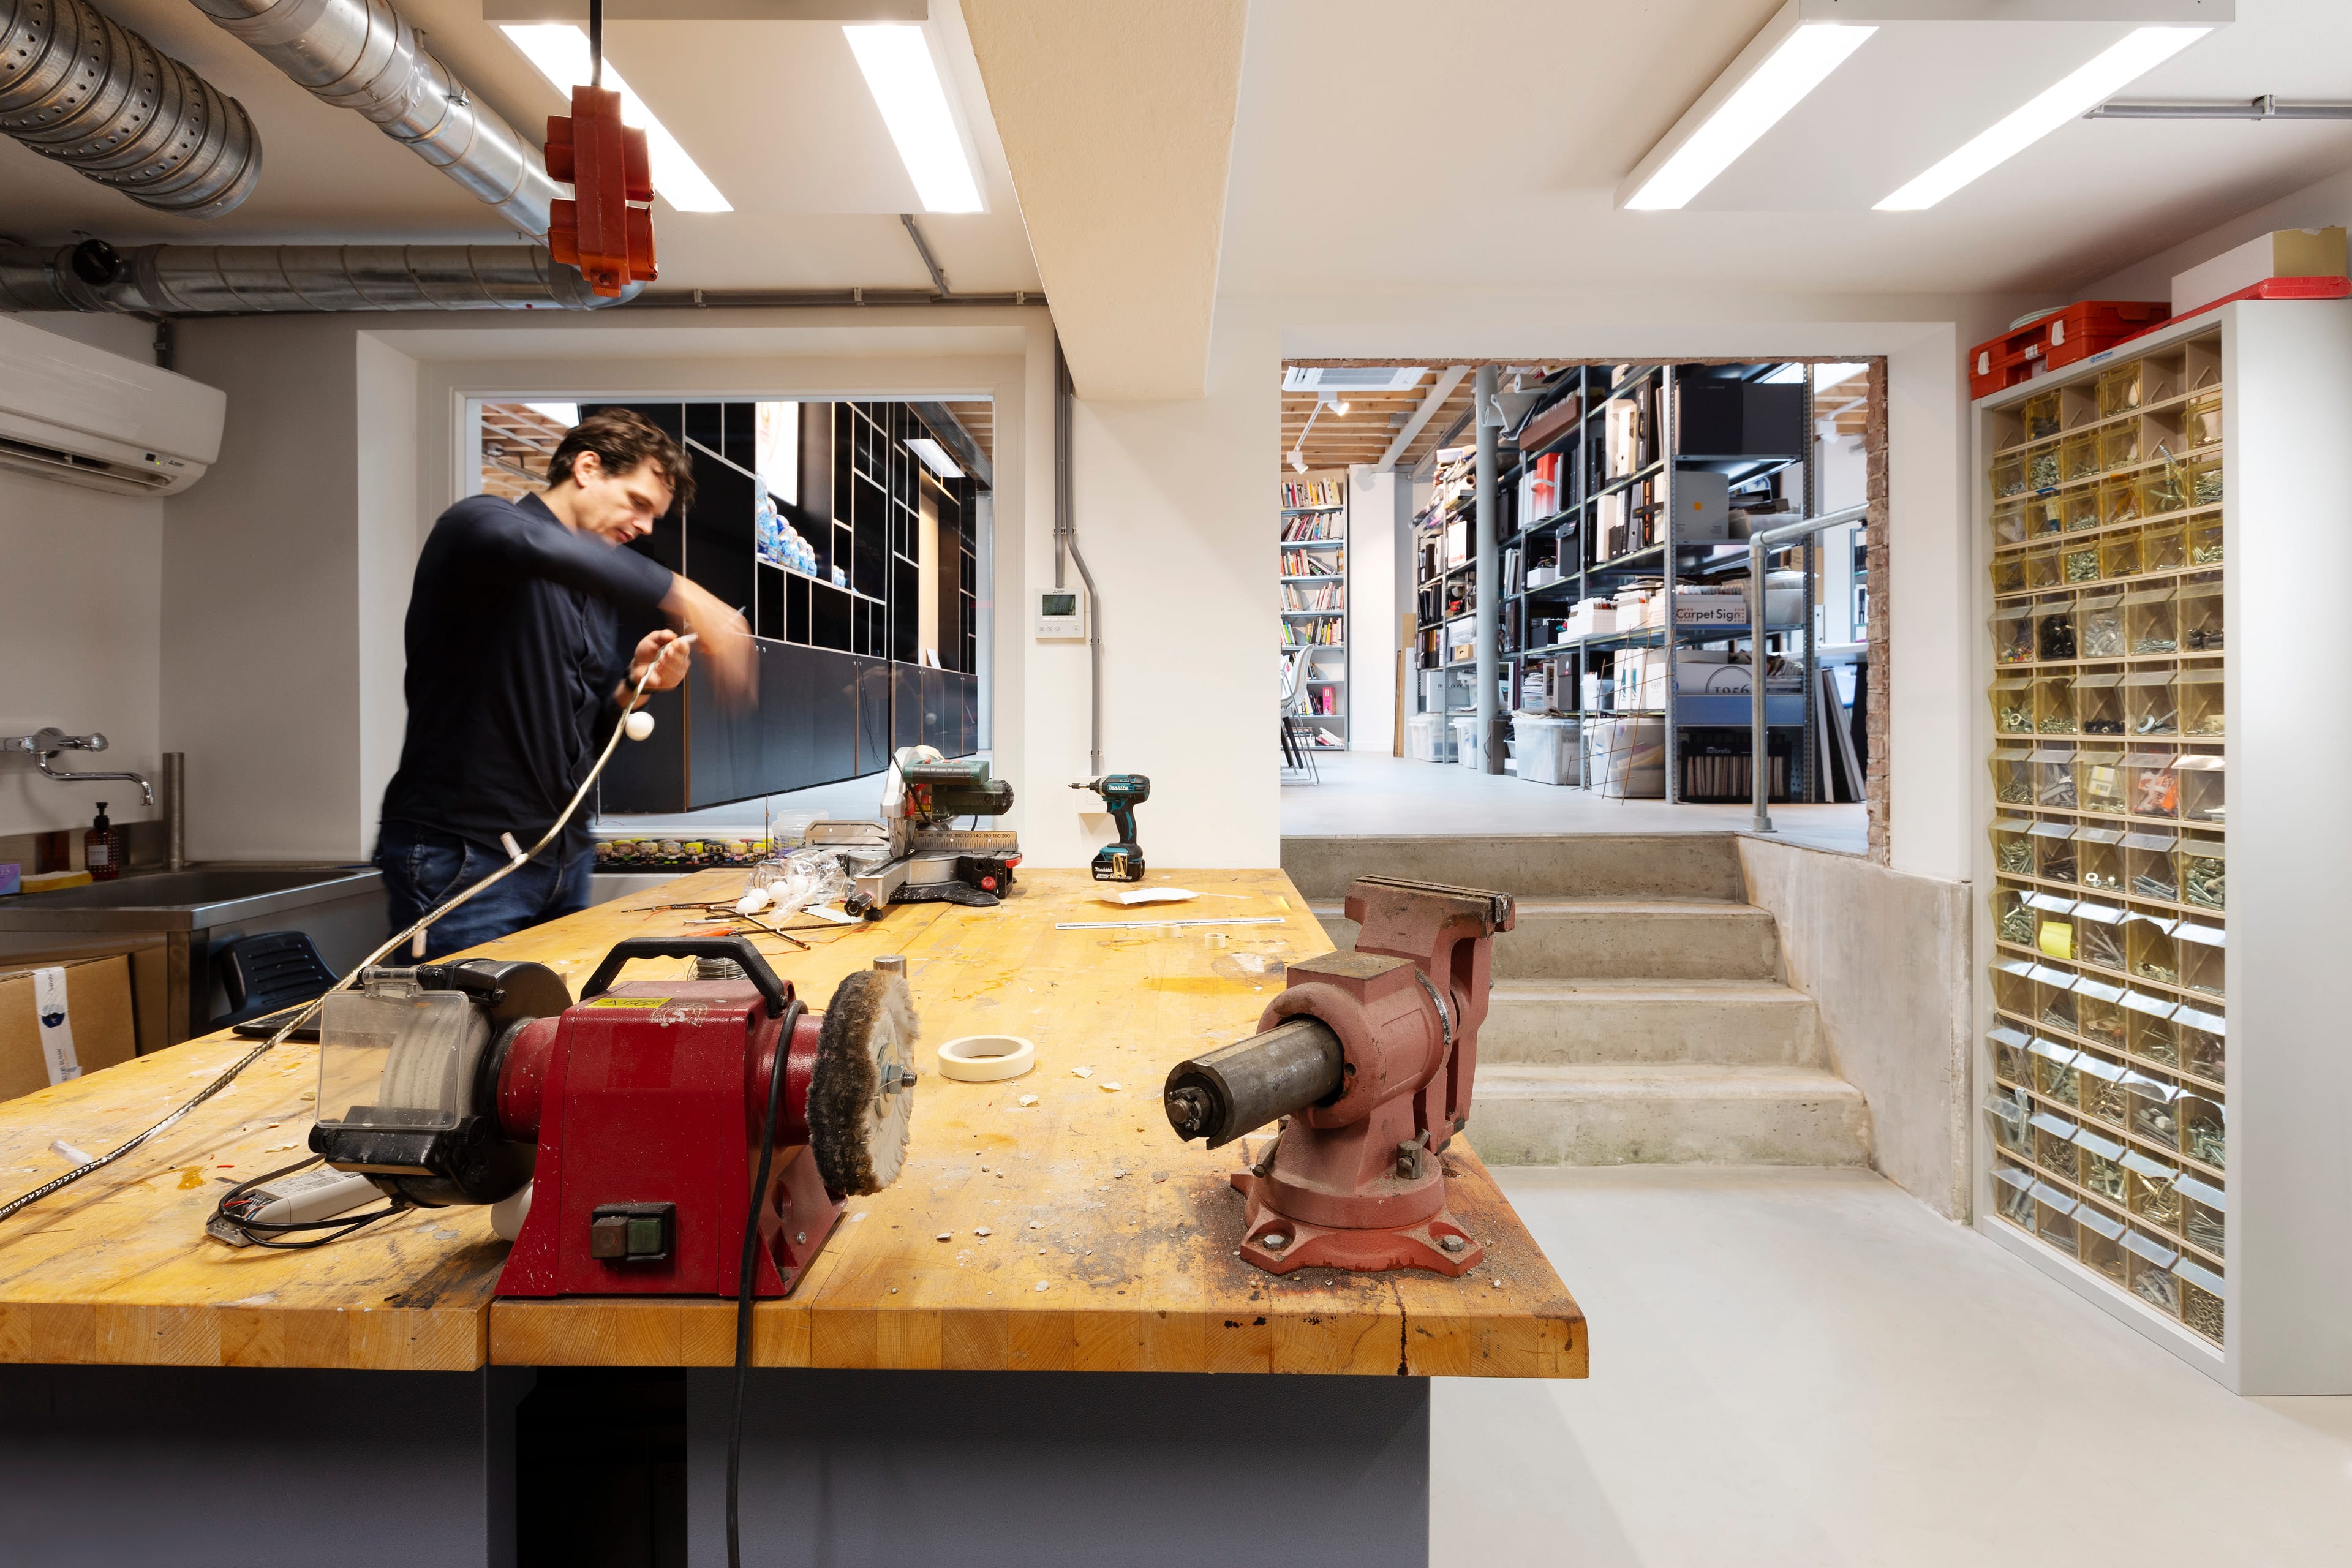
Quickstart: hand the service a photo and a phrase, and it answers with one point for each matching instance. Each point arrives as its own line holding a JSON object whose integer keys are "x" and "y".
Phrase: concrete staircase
{"x": 1639, "y": 1012}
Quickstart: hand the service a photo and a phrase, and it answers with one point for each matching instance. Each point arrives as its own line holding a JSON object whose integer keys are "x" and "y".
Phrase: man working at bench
{"x": 517, "y": 674}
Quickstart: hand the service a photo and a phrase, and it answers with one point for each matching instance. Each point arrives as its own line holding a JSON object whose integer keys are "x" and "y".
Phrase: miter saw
{"x": 916, "y": 853}
{"x": 631, "y": 1124}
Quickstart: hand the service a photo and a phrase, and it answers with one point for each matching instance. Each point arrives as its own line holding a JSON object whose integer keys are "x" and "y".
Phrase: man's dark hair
{"x": 621, "y": 440}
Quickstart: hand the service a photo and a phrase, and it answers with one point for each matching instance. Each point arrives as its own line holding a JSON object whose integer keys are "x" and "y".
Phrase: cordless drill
{"x": 1121, "y": 794}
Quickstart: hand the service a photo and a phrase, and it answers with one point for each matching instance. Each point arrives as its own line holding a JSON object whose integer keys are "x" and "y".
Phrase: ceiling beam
{"x": 1117, "y": 125}
{"x": 1447, "y": 380}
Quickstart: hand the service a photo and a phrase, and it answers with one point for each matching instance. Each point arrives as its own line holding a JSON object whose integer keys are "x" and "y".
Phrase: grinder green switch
{"x": 1121, "y": 794}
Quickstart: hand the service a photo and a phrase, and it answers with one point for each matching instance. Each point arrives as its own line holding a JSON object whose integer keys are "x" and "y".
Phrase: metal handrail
{"x": 1759, "y": 768}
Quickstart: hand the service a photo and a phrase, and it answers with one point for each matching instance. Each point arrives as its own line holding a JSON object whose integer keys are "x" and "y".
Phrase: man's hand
{"x": 665, "y": 654}
{"x": 725, "y": 640}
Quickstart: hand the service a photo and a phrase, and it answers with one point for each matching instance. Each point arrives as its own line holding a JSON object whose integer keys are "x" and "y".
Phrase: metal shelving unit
{"x": 1571, "y": 534}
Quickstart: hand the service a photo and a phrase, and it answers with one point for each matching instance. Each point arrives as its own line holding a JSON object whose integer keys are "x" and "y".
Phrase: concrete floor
{"x": 1363, "y": 792}
{"x": 1808, "y": 1369}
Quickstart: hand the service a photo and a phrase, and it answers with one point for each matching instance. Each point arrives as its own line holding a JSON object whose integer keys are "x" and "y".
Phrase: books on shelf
{"x": 1539, "y": 489}
{"x": 1331, "y": 631}
{"x": 1314, "y": 492}
{"x": 1330, "y": 596}
{"x": 1332, "y": 564}
{"x": 1313, "y": 526}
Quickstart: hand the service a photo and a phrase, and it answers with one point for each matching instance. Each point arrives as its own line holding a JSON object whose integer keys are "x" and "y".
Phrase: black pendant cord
{"x": 595, "y": 42}
{"x": 746, "y": 1275}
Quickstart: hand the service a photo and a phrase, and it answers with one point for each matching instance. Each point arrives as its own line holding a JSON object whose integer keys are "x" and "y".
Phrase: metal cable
{"x": 60, "y": 1183}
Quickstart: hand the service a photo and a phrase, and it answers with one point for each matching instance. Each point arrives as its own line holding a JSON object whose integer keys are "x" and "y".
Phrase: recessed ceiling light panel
{"x": 559, "y": 50}
{"x": 904, "y": 81}
{"x": 2141, "y": 52}
{"x": 1773, "y": 83}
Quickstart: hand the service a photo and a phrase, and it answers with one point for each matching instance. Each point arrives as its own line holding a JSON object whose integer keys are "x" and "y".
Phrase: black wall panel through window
{"x": 769, "y": 603}
{"x": 740, "y": 425}
{"x": 829, "y": 621}
{"x": 706, "y": 423}
{"x": 874, "y": 741}
{"x": 719, "y": 528}
{"x": 906, "y": 698}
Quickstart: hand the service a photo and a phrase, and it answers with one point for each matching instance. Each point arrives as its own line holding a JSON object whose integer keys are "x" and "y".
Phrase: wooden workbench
{"x": 1085, "y": 1191}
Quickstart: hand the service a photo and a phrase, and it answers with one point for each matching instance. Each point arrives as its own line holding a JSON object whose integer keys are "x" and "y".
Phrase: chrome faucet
{"x": 49, "y": 741}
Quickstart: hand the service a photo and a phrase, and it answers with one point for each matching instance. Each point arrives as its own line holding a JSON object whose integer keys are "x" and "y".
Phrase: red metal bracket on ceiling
{"x": 606, "y": 230}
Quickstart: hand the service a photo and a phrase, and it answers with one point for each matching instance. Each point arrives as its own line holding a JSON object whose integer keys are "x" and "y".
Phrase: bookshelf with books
{"x": 1314, "y": 572}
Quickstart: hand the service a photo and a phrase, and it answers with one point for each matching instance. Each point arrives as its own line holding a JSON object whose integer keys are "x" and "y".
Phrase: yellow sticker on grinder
{"x": 630, "y": 1002}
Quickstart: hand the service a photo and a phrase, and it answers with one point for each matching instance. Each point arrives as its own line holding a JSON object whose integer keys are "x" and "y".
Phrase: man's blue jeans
{"x": 425, "y": 867}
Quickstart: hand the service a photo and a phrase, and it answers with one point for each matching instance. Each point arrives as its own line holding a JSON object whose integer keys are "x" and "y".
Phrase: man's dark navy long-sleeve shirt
{"x": 514, "y": 652}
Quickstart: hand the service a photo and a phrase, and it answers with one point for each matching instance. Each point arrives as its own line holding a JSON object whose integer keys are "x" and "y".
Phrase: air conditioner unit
{"x": 84, "y": 416}
{"x": 1352, "y": 377}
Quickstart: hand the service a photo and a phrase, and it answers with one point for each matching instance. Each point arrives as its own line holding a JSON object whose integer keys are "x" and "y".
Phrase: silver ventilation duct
{"x": 362, "y": 55}
{"x": 80, "y": 88}
{"x": 222, "y": 279}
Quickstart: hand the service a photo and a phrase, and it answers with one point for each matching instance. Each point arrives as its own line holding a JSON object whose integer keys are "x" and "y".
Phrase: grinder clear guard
{"x": 1369, "y": 1057}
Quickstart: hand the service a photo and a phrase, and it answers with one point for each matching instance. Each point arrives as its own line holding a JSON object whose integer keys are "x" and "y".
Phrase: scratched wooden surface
{"x": 1084, "y": 1191}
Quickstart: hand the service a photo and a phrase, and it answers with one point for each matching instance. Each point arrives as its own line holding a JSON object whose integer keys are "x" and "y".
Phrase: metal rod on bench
{"x": 1759, "y": 769}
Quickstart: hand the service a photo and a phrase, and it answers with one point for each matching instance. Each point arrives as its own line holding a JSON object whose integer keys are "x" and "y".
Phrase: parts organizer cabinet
{"x": 2167, "y": 1081}
{"x": 1315, "y": 600}
{"x": 918, "y": 1401}
{"x": 841, "y": 679}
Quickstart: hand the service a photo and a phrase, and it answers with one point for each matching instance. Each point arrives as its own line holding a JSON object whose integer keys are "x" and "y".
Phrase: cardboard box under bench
{"x": 97, "y": 1022}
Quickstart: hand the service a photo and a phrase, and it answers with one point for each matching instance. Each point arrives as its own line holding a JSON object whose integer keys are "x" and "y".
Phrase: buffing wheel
{"x": 861, "y": 1095}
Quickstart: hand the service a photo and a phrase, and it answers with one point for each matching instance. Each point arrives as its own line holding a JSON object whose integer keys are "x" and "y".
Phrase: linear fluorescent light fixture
{"x": 905, "y": 82}
{"x": 559, "y": 50}
{"x": 2141, "y": 52}
{"x": 935, "y": 457}
{"x": 1773, "y": 84}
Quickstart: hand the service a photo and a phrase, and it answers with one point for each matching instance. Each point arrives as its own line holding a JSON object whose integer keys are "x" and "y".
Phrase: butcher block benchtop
{"x": 1109, "y": 1244}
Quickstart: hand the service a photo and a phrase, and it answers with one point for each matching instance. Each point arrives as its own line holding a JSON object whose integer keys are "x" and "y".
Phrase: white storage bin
{"x": 1626, "y": 758}
{"x": 1428, "y": 738}
{"x": 1547, "y": 749}
{"x": 1466, "y": 747}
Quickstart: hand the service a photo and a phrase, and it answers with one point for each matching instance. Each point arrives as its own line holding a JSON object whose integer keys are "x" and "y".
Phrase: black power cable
{"x": 228, "y": 1211}
{"x": 746, "y": 1275}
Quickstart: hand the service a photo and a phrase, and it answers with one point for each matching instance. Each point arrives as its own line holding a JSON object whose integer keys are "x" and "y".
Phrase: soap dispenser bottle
{"x": 102, "y": 848}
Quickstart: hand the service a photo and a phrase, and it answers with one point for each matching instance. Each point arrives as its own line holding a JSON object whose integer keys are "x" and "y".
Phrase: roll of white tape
{"x": 986, "y": 1059}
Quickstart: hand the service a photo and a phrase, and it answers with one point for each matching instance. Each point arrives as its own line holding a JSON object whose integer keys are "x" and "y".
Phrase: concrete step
{"x": 1657, "y": 1113}
{"x": 1739, "y": 1023}
{"x": 1612, "y": 939}
{"x": 1560, "y": 866}
{"x": 1607, "y": 939}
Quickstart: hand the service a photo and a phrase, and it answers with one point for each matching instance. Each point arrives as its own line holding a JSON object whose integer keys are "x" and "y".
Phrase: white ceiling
{"x": 1379, "y": 151}
{"x": 776, "y": 113}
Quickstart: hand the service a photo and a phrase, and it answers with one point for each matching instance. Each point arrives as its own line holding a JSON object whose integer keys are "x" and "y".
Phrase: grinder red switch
{"x": 1368, "y": 1058}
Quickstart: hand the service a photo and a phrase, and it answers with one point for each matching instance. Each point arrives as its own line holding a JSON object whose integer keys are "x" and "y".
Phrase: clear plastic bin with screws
{"x": 2149, "y": 1031}
{"x": 2099, "y": 781}
{"x": 2009, "y": 1052}
{"x": 2151, "y": 783}
{"x": 2013, "y": 775}
{"x": 2149, "y": 1273}
{"x": 2013, "y": 706}
{"x": 2149, "y": 947}
{"x": 2204, "y": 1129}
{"x": 2012, "y": 635}
{"x": 2199, "y": 615}
{"x": 2099, "y": 702}
{"x": 2204, "y": 1215}
{"x": 2101, "y": 1084}
{"x": 2099, "y": 626}
{"x": 2201, "y": 1298}
{"x": 2149, "y": 866}
{"x": 2151, "y": 1190}
{"x": 2099, "y": 1018}
{"x": 2100, "y": 1241}
{"x": 2054, "y": 1072}
{"x": 2155, "y": 1113}
{"x": 2202, "y": 956}
{"x": 2098, "y": 851}
{"x": 2099, "y": 934}
{"x": 2053, "y": 854}
{"x": 2053, "y": 778}
{"x": 2202, "y": 790}
{"x": 2204, "y": 1041}
{"x": 2201, "y": 867}
{"x": 2198, "y": 690}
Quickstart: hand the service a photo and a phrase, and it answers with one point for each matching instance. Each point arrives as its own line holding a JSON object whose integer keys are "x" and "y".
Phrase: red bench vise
{"x": 637, "y": 1116}
{"x": 1368, "y": 1058}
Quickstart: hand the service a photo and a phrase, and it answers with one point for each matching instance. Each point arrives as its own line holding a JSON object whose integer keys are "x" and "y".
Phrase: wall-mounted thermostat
{"x": 1061, "y": 615}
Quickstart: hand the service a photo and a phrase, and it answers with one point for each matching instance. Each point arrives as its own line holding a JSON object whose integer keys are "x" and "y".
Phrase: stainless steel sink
{"x": 186, "y": 901}
{"x": 170, "y": 923}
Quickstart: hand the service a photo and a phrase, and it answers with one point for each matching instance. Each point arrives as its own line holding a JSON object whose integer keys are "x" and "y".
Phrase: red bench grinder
{"x": 639, "y": 1115}
{"x": 1368, "y": 1058}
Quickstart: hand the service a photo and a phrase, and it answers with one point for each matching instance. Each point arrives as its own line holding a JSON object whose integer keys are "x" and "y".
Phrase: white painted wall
{"x": 2326, "y": 202}
{"x": 264, "y": 686}
{"x": 1371, "y": 610}
{"x": 79, "y": 643}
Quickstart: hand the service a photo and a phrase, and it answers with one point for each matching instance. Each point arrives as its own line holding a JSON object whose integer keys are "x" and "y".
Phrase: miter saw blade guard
{"x": 915, "y": 854}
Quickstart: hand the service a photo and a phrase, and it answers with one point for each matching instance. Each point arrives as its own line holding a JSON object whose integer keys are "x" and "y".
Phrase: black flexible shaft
{"x": 746, "y": 1275}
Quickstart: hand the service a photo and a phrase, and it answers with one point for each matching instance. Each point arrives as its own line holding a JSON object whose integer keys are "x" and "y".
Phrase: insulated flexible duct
{"x": 78, "y": 87}
{"x": 362, "y": 55}
{"x": 197, "y": 279}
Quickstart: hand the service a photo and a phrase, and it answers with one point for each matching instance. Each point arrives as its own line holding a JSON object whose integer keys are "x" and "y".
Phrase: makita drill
{"x": 1121, "y": 794}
